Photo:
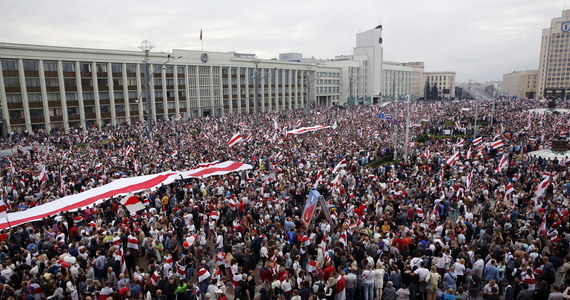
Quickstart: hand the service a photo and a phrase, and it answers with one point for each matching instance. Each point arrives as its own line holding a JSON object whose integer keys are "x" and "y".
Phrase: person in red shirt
{"x": 340, "y": 283}
{"x": 327, "y": 272}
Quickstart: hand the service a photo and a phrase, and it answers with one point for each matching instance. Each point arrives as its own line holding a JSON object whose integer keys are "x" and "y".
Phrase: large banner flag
{"x": 120, "y": 187}
{"x": 341, "y": 164}
{"x": 307, "y": 129}
{"x": 310, "y": 206}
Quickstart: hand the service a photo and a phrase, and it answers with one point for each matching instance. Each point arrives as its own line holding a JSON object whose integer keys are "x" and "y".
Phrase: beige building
{"x": 520, "y": 84}
{"x": 401, "y": 79}
{"x": 444, "y": 81}
{"x": 554, "y": 63}
{"x": 46, "y": 87}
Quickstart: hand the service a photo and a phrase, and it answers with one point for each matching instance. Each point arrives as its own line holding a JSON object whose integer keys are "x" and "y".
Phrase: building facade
{"x": 401, "y": 79}
{"x": 369, "y": 44}
{"x": 521, "y": 84}
{"x": 44, "y": 87}
{"x": 554, "y": 62}
{"x": 443, "y": 81}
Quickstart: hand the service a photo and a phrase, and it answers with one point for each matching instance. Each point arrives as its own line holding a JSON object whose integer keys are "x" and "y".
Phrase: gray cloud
{"x": 480, "y": 40}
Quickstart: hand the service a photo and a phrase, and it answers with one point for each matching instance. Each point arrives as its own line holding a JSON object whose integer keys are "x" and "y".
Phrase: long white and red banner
{"x": 120, "y": 187}
{"x": 307, "y": 129}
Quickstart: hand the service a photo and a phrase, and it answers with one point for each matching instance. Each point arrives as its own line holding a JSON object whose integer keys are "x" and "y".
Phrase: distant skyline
{"x": 480, "y": 40}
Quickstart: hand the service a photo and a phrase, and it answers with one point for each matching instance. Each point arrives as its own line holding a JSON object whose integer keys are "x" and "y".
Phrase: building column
{"x": 80, "y": 95}
{"x": 43, "y": 90}
{"x": 62, "y": 95}
{"x": 4, "y": 105}
{"x": 112, "y": 94}
{"x": 24, "y": 91}
{"x": 126, "y": 97}
{"x": 176, "y": 104}
{"x": 96, "y": 95}
{"x": 140, "y": 91}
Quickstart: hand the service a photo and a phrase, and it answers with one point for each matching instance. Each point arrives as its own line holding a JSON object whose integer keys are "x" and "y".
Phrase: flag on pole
{"x": 236, "y": 138}
{"x": 509, "y": 189}
{"x": 43, "y": 174}
{"x": 132, "y": 203}
{"x": 469, "y": 182}
{"x": 319, "y": 177}
{"x": 341, "y": 164}
{"x": 120, "y": 256}
{"x": 503, "y": 163}
{"x": 541, "y": 188}
{"x": 309, "y": 210}
{"x": 200, "y": 33}
{"x": 452, "y": 159}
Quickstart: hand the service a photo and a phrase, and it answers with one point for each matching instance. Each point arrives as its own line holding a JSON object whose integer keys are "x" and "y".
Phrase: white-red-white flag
{"x": 236, "y": 138}
{"x": 3, "y": 213}
{"x": 503, "y": 163}
{"x": 208, "y": 164}
{"x": 469, "y": 182}
{"x": 203, "y": 274}
{"x": 509, "y": 189}
{"x": 119, "y": 255}
{"x": 341, "y": 164}
{"x": 497, "y": 144}
{"x": 452, "y": 159}
{"x": 214, "y": 215}
{"x": 319, "y": 178}
{"x": 469, "y": 154}
{"x": 298, "y": 123}
{"x": 275, "y": 124}
{"x": 132, "y": 203}
{"x": 541, "y": 188}
{"x": 133, "y": 242}
{"x": 477, "y": 141}
{"x": 43, "y": 174}
{"x": 343, "y": 239}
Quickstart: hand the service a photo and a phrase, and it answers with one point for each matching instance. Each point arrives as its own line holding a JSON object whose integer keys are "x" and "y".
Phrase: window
{"x": 68, "y": 67}
{"x": 131, "y": 81}
{"x": 133, "y": 95}
{"x": 169, "y": 81}
{"x": 119, "y": 108}
{"x": 34, "y": 97}
{"x": 102, "y": 82}
{"x": 32, "y": 82}
{"x": 72, "y": 111}
{"x": 85, "y": 67}
{"x": 181, "y": 81}
{"x": 53, "y": 97}
{"x": 118, "y": 81}
{"x": 117, "y": 68}
{"x": 131, "y": 68}
{"x": 55, "y": 112}
{"x": 102, "y": 68}
{"x": 13, "y": 98}
{"x": 181, "y": 93}
{"x": 103, "y": 95}
{"x": 158, "y": 81}
{"x": 11, "y": 82}
{"x": 10, "y": 65}
{"x": 169, "y": 69}
{"x": 50, "y": 66}
{"x": 86, "y": 82}
{"x": 180, "y": 70}
{"x": 105, "y": 109}
{"x": 30, "y": 65}
{"x": 70, "y": 83}
{"x": 158, "y": 94}
{"x": 52, "y": 82}
{"x": 89, "y": 110}
{"x": 16, "y": 114}
{"x": 88, "y": 96}
{"x": 118, "y": 95}
{"x": 71, "y": 96}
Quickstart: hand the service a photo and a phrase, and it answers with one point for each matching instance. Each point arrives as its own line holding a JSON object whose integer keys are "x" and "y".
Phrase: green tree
{"x": 434, "y": 94}
{"x": 426, "y": 91}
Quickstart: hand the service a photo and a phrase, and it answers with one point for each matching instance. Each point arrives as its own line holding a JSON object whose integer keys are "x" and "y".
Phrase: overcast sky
{"x": 478, "y": 39}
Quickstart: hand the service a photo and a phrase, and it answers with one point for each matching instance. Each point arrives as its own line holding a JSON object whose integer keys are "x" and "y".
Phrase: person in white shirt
{"x": 460, "y": 271}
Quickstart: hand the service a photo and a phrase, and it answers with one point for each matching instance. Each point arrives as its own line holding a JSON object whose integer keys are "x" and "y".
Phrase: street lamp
{"x": 145, "y": 47}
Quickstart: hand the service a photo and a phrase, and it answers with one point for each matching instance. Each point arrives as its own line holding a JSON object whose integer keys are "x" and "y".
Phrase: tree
{"x": 434, "y": 93}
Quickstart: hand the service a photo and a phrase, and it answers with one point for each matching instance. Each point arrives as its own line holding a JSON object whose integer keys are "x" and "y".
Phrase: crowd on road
{"x": 457, "y": 216}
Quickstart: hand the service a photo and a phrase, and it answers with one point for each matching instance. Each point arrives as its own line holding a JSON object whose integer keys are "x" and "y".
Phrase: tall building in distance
{"x": 520, "y": 84}
{"x": 401, "y": 79}
{"x": 369, "y": 44}
{"x": 443, "y": 81}
{"x": 554, "y": 63}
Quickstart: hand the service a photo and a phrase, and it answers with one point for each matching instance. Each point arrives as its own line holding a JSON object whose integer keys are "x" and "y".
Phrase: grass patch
{"x": 384, "y": 160}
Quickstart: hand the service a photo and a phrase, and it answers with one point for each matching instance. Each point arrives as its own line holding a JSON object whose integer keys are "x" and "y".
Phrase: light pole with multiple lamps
{"x": 146, "y": 46}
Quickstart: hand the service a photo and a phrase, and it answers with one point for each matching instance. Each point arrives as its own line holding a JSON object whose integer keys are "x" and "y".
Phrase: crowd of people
{"x": 454, "y": 217}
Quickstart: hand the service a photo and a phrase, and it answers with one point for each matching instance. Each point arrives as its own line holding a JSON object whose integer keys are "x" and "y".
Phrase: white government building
{"x": 49, "y": 87}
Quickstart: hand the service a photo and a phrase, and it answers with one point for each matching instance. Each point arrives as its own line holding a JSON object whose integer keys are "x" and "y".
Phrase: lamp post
{"x": 146, "y": 46}
{"x": 255, "y": 90}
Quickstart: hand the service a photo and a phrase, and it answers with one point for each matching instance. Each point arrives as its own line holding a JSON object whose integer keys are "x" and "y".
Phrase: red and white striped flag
{"x": 181, "y": 269}
{"x": 469, "y": 182}
{"x": 214, "y": 215}
{"x": 342, "y": 238}
{"x": 236, "y": 138}
{"x": 167, "y": 259}
{"x": 203, "y": 274}
{"x": 129, "y": 150}
{"x": 120, "y": 256}
{"x": 312, "y": 266}
{"x": 43, "y": 174}
{"x": 208, "y": 164}
{"x": 133, "y": 242}
{"x": 497, "y": 144}
{"x": 477, "y": 141}
{"x": 458, "y": 125}
{"x": 509, "y": 189}
{"x": 469, "y": 154}
{"x": 541, "y": 188}
{"x": 341, "y": 164}
{"x": 275, "y": 124}
{"x": 319, "y": 178}
{"x": 3, "y": 213}
{"x": 132, "y": 203}
{"x": 298, "y": 123}
{"x": 249, "y": 138}
{"x": 452, "y": 159}
{"x": 503, "y": 163}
